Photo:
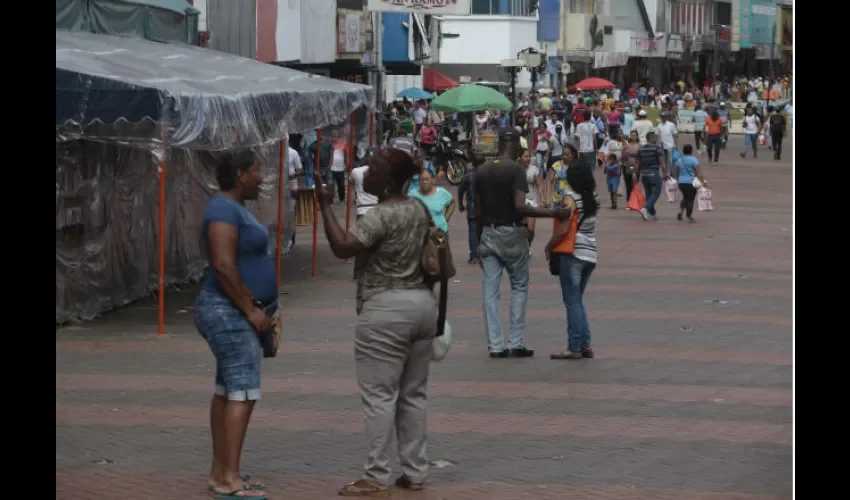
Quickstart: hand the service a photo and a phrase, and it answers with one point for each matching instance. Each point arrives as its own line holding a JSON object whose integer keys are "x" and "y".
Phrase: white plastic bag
{"x": 672, "y": 189}
{"x": 441, "y": 345}
{"x": 697, "y": 183}
{"x": 704, "y": 199}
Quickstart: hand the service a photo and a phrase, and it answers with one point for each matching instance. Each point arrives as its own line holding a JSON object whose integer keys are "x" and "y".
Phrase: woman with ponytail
{"x": 572, "y": 256}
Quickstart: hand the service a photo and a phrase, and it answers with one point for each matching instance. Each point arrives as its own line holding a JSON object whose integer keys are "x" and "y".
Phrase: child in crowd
{"x": 612, "y": 178}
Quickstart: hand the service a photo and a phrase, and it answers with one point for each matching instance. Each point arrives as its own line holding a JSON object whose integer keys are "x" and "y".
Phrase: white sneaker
{"x": 644, "y": 213}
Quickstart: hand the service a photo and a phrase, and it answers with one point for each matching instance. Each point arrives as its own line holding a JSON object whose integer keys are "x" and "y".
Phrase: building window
{"x": 582, "y": 6}
{"x": 723, "y": 13}
{"x": 502, "y": 7}
{"x": 690, "y": 18}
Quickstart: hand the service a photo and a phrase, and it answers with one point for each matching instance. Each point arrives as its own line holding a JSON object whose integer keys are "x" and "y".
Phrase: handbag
{"x": 637, "y": 200}
{"x": 437, "y": 265}
{"x": 436, "y": 241}
{"x": 567, "y": 246}
{"x": 270, "y": 341}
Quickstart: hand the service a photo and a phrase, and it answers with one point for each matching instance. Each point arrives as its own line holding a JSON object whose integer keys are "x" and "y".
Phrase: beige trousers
{"x": 392, "y": 350}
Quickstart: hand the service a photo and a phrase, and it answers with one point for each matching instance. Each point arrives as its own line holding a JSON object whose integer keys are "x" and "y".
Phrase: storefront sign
{"x": 350, "y": 75}
{"x": 648, "y": 47}
{"x": 762, "y": 21}
{"x": 675, "y": 47}
{"x": 724, "y": 38}
{"x": 351, "y": 34}
{"x": 610, "y": 59}
{"x": 745, "y": 24}
{"x": 452, "y": 7}
{"x": 763, "y": 51}
{"x": 785, "y": 25}
{"x": 758, "y": 18}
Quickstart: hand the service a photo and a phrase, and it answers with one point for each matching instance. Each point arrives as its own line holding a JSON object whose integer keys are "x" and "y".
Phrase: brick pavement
{"x": 689, "y": 398}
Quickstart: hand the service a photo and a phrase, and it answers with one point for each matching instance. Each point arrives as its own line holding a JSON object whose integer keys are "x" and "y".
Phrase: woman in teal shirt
{"x": 440, "y": 202}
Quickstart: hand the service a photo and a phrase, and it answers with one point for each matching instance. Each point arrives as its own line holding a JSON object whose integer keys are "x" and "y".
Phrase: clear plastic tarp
{"x": 117, "y": 89}
{"x": 111, "y": 94}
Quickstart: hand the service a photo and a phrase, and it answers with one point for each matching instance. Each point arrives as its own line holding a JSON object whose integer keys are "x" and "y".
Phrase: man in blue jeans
{"x": 650, "y": 166}
{"x": 500, "y": 210}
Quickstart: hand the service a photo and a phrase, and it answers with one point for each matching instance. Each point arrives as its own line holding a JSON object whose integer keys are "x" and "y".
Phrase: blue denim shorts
{"x": 234, "y": 344}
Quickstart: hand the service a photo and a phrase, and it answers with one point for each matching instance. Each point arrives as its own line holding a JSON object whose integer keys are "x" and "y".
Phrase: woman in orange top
{"x": 713, "y": 132}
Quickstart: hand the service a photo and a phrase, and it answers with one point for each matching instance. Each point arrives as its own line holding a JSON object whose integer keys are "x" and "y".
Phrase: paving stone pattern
{"x": 689, "y": 398}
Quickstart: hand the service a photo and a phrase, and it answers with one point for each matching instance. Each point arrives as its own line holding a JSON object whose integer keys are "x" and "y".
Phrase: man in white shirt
{"x": 419, "y": 114}
{"x": 364, "y": 202}
{"x": 642, "y": 126}
{"x": 293, "y": 170}
{"x": 585, "y": 141}
{"x": 552, "y": 122}
{"x": 667, "y": 135}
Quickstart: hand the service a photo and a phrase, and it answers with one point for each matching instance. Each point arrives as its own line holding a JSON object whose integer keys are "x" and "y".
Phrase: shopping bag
{"x": 672, "y": 189}
{"x": 697, "y": 184}
{"x": 762, "y": 140}
{"x": 637, "y": 200}
{"x": 704, "y": 199}
{"x": 440, "y": 346}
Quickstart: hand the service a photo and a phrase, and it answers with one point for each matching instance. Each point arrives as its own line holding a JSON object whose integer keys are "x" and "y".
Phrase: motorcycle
{"x": 450, "y": 159}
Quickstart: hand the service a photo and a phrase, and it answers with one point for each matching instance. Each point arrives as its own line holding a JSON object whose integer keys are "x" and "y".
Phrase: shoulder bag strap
{"x": 443, "y": 299}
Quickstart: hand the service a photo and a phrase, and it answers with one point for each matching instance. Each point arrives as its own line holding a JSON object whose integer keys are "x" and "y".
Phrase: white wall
{"x": 318, "y": 31}
{"x": 393, "y": 84}
{"x": 201, "y": 5}
{"x": 486, "y": 39}
{"x": 735, "y": 45}
{"x": 652, "y": 13}
{"x": 288, "y": 38}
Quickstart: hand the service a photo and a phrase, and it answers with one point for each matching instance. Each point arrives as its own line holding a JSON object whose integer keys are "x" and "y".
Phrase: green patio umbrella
{"x": 471, "y": 97}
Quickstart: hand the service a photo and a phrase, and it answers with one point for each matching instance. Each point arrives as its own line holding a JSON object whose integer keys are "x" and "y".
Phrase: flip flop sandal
{"x": 407, "y": 484}
{"x": 364, "y": 488}
{"x": 246, "y": 479}
{"x": 234, "y": 495}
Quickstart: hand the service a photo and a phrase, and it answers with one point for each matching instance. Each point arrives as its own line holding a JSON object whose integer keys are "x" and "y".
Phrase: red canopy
{"x": 594, "y": 84}
{"x": 434, "y": 80}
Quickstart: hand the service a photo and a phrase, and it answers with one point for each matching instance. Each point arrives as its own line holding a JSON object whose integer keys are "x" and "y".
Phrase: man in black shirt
{"x": 777, "y": 123}
{"x": 500, "y": 209}
{"x": 466, "y": 203}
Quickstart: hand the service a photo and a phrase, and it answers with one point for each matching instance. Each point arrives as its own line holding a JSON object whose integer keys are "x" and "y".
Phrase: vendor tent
{"x": 127, "y": 111}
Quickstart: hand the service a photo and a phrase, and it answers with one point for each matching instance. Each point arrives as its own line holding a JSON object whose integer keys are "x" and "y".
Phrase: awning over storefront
{"x": 434, "y": 80}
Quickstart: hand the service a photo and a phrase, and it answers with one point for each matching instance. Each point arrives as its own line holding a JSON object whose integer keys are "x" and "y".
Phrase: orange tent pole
{"x": 161, "y": 284}
{"x": 350, "y": 165}
{"x": 316, "y": 202}
{"x": 283, "y": 153}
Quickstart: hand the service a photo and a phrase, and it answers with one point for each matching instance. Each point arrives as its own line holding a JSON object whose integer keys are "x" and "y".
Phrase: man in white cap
{"x": 642, "y": 126}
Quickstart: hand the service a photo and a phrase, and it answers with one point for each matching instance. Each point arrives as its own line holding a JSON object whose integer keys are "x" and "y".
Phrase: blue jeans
{"x": 504, "y": 248}
{"x": 309, "y": 170}
{"x": 234, "y": 343}
{"x": 652, "y": 187}
{"x": 754, "y": 140}
{"x": 473, "y": 239}
{"x": 575, "y": 274}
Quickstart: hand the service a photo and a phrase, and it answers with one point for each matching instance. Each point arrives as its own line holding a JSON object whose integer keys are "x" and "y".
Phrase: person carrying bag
{"x": 438, "y": 267}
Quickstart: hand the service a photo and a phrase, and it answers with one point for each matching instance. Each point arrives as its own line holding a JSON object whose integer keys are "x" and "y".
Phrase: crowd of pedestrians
{"x": 544, "y": 168}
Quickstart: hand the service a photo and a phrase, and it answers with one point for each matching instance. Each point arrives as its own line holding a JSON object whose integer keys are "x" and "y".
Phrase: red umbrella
{"x": 434, "y": 80}
{"x": 594, "y": 84}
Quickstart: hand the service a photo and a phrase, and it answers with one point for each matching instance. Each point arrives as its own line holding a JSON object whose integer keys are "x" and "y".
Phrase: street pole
{"x": 714, "y": 61}
{"x": 770, "y": 63}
